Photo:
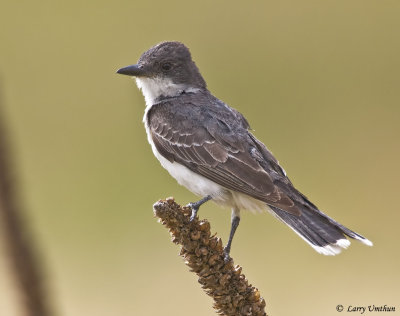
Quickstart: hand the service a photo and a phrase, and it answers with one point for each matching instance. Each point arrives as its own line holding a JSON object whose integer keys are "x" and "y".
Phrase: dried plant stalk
{"x": 26, "y": 266}
{"x": 203, "y": 253}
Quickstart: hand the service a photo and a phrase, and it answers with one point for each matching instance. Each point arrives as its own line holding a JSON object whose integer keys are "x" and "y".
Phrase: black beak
{"x": 132, "y": 70}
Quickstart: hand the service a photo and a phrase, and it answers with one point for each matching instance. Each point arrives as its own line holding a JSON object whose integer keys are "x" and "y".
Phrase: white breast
{"x": 195, "y": 183}
{"x": 152, "y": 88}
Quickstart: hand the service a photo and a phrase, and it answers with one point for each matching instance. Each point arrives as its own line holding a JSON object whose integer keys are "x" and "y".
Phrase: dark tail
{"x": 321, "y": 232}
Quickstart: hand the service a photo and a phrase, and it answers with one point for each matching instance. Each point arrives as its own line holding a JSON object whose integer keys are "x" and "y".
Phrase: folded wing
{"x": 221, "y": 151}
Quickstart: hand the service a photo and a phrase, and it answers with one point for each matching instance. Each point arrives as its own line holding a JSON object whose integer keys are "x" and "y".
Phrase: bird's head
{"x": 165, "y": 70}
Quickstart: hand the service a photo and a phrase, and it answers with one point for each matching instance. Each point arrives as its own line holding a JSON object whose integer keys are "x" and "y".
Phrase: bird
{"x": 209, "y": 148}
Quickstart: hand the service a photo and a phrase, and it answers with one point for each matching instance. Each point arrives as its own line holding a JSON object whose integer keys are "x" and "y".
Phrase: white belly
{"x": 201, "y": 186}
{"x": 193, "y": 182}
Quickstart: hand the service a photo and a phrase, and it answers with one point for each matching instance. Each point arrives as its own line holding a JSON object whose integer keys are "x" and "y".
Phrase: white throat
{"x": 153, "y": 88}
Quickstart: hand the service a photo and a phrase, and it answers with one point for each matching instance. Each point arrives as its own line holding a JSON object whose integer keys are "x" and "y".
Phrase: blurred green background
{"x": 319, "y": 82}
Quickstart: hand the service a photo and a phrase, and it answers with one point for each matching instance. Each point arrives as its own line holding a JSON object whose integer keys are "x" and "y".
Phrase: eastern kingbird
{"x": 208, "y": 147}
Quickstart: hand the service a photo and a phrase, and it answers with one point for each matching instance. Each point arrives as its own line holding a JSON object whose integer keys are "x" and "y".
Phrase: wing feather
{"x": 214, "y": 149}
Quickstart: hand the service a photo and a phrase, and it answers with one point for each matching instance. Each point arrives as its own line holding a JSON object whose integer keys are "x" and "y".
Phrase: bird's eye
{"x": 166, "y": 66}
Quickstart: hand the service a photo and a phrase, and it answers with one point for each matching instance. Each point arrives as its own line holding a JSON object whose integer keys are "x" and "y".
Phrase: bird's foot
{"x": 195, "y": 209}
{"x": 196, "y": 205}
{"x": 227, "y": 257}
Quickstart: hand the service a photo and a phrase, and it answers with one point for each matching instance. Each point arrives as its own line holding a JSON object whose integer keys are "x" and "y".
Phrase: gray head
{"x": 165, "y": 70}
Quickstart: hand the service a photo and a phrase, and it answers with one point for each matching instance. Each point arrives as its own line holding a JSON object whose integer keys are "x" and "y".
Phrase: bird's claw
{"x": 227, "y": 257}
{"x": 196, "y": 205}
{"x": 194, "y": 211}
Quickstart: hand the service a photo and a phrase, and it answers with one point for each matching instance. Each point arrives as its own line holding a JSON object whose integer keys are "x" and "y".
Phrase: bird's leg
{"x": 235, "y": 219}
{"x": 196, "y": 205}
